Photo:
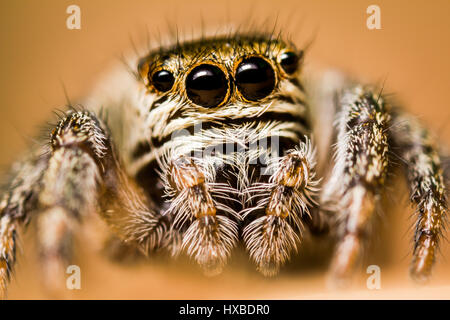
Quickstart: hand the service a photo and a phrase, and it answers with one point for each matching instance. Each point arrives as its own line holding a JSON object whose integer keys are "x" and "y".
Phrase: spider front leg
{"x": 271, "y": 238}
{"x": 360, "y": 168}
{"x": 417, "y": 150}
{"x": 79, "y": 174}
{"x": 212, "y": 233}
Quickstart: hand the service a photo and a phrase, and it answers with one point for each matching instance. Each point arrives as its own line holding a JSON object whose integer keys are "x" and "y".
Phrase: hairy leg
{"x": 68, "y": 193}
{"x": 211, "y": 233}
{"x": 8, "y": 247}
{"x": 415, "y": 147}
{"x": 79, "y": 174}
{"x": 358, "y": 174}
{"x": 271, "y": 238}
{"x": 18, "y": 200}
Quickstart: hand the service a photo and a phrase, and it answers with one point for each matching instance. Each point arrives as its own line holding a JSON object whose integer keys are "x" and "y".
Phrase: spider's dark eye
{"x": 206, "y": 85}
{"x": 289, "y": 62}
{"x": 255, "y": 78}
{"x": 162, "y": 80}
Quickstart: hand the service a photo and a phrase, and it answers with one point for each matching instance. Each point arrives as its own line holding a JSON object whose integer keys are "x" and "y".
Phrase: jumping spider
{"x": 210, "y": 142}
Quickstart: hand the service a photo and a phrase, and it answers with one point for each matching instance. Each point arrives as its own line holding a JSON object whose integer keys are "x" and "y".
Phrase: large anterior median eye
{"x": 162, "y": 80}
{"x": 255, "y": 78}
{"x": 206, "y": 85}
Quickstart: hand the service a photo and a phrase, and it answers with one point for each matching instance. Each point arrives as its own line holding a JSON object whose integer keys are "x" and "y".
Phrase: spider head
{"x": 215, "y": 73}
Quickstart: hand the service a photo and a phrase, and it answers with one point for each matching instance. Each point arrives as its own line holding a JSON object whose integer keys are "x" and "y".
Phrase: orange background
{"x": 38, "y": 53}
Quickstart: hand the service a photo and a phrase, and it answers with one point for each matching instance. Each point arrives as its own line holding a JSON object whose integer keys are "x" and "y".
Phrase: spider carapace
{"x": 220, "y": 140}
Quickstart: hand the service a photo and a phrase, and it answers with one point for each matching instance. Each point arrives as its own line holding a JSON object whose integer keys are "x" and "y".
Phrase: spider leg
{"x": 78, "y": 175}
{"x": 8, "y": 247}
{"x": 210, "y": 236}
{"x": 15, "y": 207}
{"x": 271, "y": 238}
{"x": 358, "y": 174}
{"x": 68, "y": 192}
{"x": 55, "y": 229}
{"x": 414, "y": 145}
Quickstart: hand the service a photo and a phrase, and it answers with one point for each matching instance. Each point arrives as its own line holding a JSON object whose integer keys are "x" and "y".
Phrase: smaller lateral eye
{"x": 289, "y": 61}
{"x": 162, "y": 80}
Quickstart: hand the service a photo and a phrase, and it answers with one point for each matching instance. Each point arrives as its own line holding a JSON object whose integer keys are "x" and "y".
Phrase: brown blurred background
{"x": 411, "y": 54}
